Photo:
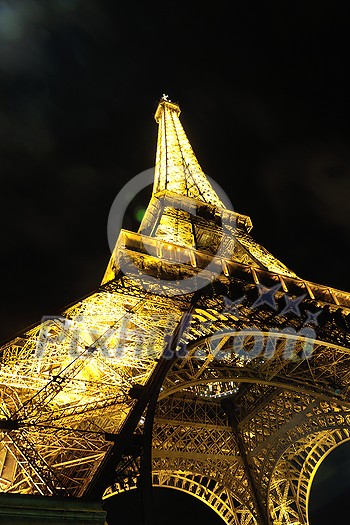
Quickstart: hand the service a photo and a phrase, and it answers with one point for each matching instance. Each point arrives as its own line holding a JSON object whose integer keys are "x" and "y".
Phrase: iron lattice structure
{"x": 248, "y": 398}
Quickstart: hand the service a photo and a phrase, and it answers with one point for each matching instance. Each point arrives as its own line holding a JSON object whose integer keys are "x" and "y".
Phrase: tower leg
{"x": 260, "y": 511}
{"x": 146, "y": 465}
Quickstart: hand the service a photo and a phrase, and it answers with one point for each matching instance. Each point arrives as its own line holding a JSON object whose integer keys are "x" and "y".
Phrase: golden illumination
{"x": 65, "y": 383}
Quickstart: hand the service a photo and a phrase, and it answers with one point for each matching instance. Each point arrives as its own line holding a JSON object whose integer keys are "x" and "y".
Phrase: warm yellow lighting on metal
{"x": 177, "y": 169}
{"x": 65, "y": 383}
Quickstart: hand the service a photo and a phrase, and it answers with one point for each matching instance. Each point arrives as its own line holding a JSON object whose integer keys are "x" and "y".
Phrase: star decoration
{"x": 292, "y": 305}
{"x": 266, "y": 296}
{"x": 231, "y": 306}
{"x": 312, "y": 317}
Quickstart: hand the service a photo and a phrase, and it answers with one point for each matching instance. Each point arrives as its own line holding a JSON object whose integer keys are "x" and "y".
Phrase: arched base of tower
{"x": 171, "y": 505}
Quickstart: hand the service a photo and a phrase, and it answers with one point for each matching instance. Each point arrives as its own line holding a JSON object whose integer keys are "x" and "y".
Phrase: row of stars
{"x": 267, "y": 297}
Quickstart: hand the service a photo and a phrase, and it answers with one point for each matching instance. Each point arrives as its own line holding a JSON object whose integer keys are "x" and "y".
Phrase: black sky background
{"x": 264, "y": 92}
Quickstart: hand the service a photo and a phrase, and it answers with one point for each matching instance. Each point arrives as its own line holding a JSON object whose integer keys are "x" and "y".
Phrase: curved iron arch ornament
{"x": 232, "y": 390}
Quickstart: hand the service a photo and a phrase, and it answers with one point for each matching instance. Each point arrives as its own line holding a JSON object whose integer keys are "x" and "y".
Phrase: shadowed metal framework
{"x": 252, "y": 396}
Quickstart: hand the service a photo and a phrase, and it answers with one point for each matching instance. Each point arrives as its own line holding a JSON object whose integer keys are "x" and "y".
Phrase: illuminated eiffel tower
{"x": 201, "y": 363}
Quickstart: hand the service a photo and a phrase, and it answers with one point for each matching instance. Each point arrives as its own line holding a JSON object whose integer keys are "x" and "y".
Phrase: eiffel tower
{"x": 201, "y": 363}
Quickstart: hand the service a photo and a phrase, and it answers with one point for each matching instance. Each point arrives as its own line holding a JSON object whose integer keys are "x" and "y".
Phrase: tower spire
{"x": 177, "y": 169}
{"x": 185, "y": 213}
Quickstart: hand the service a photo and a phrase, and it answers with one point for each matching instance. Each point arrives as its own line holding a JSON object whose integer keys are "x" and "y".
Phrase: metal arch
{"x": 296, "y": 470}
{"x": 244, "y": 380}
{"x": 192, "y": 435}
{"x": 311, "y": 417}
{"x": 306, "y": 375}
{"x": 288, "y": 454}
{"x": 225, "y": 379}
{"x": 302, "y": 426}
{"x": 209, "y": 491}
{"x": 321, "y": 459}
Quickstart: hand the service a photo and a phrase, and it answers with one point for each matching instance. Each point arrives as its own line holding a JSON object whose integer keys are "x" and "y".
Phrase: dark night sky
{"x": 264, "y": 92}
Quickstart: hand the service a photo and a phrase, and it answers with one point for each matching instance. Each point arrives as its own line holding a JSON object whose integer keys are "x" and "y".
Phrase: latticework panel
{"x": 194, "y": 450}
{"x": 65, "y": 384}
